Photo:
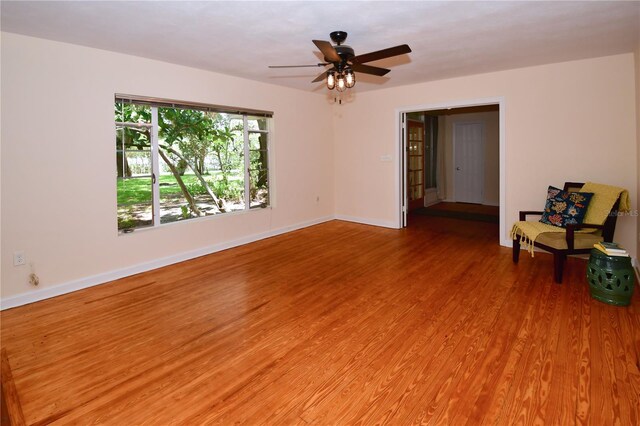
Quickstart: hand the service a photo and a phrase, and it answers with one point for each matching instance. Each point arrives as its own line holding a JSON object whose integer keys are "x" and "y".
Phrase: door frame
{"x": 400, "y": 142}
{"x": 453, "y": 152}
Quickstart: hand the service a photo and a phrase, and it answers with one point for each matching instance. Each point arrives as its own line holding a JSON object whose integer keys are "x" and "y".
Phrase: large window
{"x": 178, "y": 161}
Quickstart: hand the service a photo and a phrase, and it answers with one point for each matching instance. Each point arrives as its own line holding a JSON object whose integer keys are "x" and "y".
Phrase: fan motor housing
{"x": 345, "y": 52}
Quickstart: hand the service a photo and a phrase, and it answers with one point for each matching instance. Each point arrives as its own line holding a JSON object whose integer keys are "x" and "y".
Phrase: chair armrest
{"x": 585, "y": 225}
{"x": 571, "y": 229}
{"x": 525, "y": 213}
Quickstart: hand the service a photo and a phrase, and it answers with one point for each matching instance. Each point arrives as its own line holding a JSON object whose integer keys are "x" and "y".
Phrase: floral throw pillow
{"x": 564, "y": 208}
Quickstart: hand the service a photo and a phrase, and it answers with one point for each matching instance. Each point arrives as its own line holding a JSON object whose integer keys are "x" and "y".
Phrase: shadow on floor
{"x": 464, "y": 211}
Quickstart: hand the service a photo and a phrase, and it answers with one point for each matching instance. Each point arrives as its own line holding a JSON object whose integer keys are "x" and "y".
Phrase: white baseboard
{"x": 367, "y": 221}
{"x": 82, "y": 283}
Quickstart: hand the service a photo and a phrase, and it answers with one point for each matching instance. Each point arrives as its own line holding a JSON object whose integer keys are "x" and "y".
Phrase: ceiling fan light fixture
{"x": 349, "y": 78}
{"x": 344, "y": 62}
{"x": 341, "y": 85}
{"x": 331, "y": 80}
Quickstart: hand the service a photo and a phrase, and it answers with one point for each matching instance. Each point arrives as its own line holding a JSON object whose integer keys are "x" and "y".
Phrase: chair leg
{"x": 558, "y": 264}
{"x": 516, "y": 250}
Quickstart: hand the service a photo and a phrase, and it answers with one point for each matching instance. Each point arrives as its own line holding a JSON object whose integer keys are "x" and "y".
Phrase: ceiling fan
{"x": 345, "y": 63}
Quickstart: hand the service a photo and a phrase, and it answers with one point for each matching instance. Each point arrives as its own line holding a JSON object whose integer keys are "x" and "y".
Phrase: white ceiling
{"x": 241, "y": 38}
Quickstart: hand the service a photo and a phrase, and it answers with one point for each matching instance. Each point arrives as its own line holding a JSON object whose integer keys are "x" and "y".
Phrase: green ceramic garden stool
{"x": 611, "y": 278}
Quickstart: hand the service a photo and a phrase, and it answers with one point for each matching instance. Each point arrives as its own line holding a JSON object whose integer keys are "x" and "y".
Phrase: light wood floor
{"x": 338, "y": 323}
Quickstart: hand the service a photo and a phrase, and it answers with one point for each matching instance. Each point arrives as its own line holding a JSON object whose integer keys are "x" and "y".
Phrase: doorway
{"x": 468, "y": 162}
{"x": 463, "y": 161}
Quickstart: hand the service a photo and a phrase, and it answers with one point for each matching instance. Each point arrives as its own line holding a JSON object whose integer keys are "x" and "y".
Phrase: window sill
{"x": 195, "y": 219}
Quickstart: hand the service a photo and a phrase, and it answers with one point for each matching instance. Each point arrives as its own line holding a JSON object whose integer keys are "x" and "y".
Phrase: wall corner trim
{"x": 86, "y": 282}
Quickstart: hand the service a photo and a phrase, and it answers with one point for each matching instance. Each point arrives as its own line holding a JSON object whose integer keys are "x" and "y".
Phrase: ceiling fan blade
{"x": 368, "y": 69}
{"x": 381, "y": 54}
{"x": 320, "y": 77}
{"x": 327, "y": 50}
{"x": 297, "y": 66}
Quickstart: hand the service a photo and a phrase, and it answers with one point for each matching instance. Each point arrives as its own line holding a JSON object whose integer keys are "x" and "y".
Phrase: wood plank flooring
{"x": 335, "y": 324}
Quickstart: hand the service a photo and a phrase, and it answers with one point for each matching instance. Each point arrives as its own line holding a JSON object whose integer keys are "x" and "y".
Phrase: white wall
{"x": 491, "y": 154}
{"x": 58, "y": 172}
{"x": 1, "y": 240}
{"x": 566, "y": 121}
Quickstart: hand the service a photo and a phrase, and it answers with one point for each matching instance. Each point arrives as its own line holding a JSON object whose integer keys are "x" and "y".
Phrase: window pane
{"x": 182, "y": 194}
{"x": 259, "y": 196}
{"x": 257, "y": 123}
{"x": 138, "y": 163}
{"x": 230, "y": 159}
{"x": 233, "y": 188}
{"x": 259, "y": 159}
{"x": 258, "y": 140}
{"x": 135, "y": 207}
{"x": 235, "y": 122}
{"x": 133, "y": 166}
{"x": 132, "y": 113}
{"x": 202, "y": 153}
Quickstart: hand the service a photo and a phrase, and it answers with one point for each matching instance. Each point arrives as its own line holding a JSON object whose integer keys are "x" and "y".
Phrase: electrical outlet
{"x": 19, "y": 258}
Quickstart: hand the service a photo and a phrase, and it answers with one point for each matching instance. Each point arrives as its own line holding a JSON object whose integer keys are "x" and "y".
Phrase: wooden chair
{"x": 563, "y": 244}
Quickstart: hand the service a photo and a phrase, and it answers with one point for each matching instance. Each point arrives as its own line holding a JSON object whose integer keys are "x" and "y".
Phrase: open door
{"x": 404, "y": 153}
{"x": 415, "y": 164}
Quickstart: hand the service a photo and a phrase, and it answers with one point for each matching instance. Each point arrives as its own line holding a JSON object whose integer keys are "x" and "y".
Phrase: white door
{"x": 468, "y": 154}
